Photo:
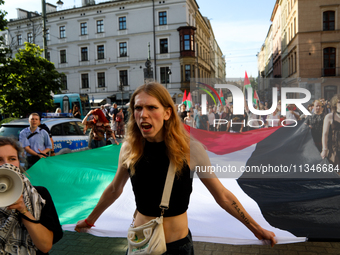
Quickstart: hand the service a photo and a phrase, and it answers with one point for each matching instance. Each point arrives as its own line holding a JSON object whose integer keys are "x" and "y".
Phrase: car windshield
{"x": 11, "y": 131}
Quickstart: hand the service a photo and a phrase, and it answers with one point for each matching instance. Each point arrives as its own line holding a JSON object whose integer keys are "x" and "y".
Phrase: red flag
{"x": 246, "y": 80}
{"x": 255, "y": 95}
{"x": 184, "y": 97}
{"x": 189, "y": 97}
{"x": 221, "y": 94}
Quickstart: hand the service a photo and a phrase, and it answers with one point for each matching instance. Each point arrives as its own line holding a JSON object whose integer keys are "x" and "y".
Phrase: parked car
{"x": 67, "y": 133}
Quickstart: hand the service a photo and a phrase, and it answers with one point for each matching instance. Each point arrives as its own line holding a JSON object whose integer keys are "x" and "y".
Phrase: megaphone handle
{"x": 28, "y": 219}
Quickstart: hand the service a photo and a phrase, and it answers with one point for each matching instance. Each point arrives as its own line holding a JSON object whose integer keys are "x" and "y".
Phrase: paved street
{"x": 84, "y": 244}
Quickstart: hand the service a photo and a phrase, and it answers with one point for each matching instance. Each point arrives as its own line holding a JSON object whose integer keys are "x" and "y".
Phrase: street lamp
{"x": 166, "y": 78}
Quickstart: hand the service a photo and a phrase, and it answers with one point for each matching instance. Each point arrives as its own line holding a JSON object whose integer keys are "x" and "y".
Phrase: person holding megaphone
{"x": 29, "y": 221}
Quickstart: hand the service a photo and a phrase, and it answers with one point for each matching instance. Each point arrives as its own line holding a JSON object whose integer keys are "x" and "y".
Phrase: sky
{"x": 240, "y": 27}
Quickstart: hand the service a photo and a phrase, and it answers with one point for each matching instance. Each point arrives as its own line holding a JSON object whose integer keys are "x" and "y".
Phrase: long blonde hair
{"x": 176, "y": 138}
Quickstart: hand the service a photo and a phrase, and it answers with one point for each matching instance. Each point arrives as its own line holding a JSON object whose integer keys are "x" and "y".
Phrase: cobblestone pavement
{"x": 85, "y": 244}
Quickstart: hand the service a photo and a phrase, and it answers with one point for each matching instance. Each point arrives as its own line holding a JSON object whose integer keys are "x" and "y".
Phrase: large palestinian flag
{"x": 295, "y": 204}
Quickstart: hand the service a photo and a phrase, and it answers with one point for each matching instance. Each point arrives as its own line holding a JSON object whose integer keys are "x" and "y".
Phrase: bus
{"x": 66, "y": 103}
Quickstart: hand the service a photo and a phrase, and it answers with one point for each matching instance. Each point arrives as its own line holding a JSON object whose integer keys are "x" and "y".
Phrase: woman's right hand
{"x": 82, "y": 226}
{"x": 324, "y": 154}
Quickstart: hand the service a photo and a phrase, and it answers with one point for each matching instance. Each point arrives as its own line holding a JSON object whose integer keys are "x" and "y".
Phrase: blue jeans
{"x": 183, "y": 246}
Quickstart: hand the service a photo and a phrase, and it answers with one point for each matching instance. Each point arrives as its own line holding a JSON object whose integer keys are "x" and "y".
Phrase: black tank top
{"x": 149, "y": 179}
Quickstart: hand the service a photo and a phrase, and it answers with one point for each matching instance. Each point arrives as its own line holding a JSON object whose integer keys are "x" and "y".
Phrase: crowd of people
{"x": 324, "y": 121}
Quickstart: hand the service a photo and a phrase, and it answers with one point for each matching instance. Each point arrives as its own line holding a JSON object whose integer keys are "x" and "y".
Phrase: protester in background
{"x": 120, "y": 123}
{"x": 35, "y": 140}
{"x": 76, "y": 112}
{"x": 183, "y": 112}
{"x": 189, "y": 120}
{"x": 31, "y": 224}
{"x": 315, "y": 122}
{"x": 100, "y": 127}
{"x": 211, "y": 119}
{"x": 156, "y": 138}
{"x": 201, "y": 121}
{"x": 273, "y": 119}
{"x": 58, "y": 110}
{"x": 113, "y": 113}
{"x": 292, "y": 114}
{"x": 331, "y": 133}
{"x": 225, "y": 115}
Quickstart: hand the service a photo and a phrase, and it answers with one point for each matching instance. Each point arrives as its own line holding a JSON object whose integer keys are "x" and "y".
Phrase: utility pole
{"x": 44, "y": 27}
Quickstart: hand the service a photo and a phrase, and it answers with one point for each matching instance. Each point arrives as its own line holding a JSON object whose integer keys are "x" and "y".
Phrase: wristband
{"x": 23, "y": 213}
{"x": 88, "y": 224}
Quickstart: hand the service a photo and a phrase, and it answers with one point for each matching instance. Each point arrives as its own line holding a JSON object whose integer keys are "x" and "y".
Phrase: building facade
{"x": 102, "y": 47}
{"x": 310, "y": 44}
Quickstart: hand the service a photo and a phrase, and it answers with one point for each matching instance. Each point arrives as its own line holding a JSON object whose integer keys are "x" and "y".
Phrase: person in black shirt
{"x": 32, "y": 221}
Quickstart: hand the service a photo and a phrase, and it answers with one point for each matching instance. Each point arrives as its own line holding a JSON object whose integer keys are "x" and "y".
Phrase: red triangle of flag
{"x": 189, "y": 97}
{"x": 246, "y": 80}
{"x": 184, "y": 96}
{"x": 221, "y": 94}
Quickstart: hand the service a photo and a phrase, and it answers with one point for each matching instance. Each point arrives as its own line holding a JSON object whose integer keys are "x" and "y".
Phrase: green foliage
{"x": 26, "y": 82}
{"x": 7, "y": 120}
{"x": 253, "y": 83}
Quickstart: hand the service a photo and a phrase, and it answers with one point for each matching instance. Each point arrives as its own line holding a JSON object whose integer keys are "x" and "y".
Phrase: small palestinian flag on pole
{"x": 246, "y": 83}
{"x": 222, "y": 97}
{"x": 184, "y": 97}
{"x": 188, "y": 102}
{"x": 256, "y": 99}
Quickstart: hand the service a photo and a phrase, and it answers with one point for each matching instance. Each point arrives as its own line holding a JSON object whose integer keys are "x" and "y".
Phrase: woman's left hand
{"x": 18, "y": 205}
{"x": 264, "y": 234}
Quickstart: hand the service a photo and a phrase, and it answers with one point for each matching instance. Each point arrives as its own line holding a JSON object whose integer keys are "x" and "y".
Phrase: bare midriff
{"x": 175, "y": 228}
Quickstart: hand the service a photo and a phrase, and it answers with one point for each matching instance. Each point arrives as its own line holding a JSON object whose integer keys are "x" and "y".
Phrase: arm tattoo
{"x": 234, "y": 204}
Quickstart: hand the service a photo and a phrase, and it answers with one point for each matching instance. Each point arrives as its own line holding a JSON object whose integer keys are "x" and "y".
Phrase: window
{"x": 70, "y": 128}
{"x": 122, "y": 49}
{"x": 100, "y": 51}
{"x": 30, "y": 37}
{"x": 329, "y": 61}
{"x": 186, "y": 42}
{"x": 63, "y": 56}
{"x": 122, "y": 23}
{"x": 84, "y": 80}
{"x": 64, "y": 82}
{"x": 100, "y": 26}
{"x": 328, "y": 21}
{"x": 101, "y": 80}
{"x": 162, "y": 18}
{"x": 83, "y": 28}
{"x": 19, "y": 39}
{"x": 62, "y": 32}
{"x": 84, "y": 56}
{"x": 187, "y": 72}
{"x": 123, "y": 78}
{"x": 165, "y": 75}
{"x": 163, "y": 45}
{"x": 48, "y": 56}
{"x": 48, "y": 34}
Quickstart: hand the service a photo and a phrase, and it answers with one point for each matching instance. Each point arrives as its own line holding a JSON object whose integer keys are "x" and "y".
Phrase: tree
{"x": 27, "y": 82}
{"x": 3, "y": 23}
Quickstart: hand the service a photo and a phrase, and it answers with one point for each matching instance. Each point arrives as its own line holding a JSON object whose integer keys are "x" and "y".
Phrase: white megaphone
{"x": 11, "y": 187}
